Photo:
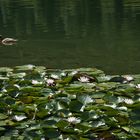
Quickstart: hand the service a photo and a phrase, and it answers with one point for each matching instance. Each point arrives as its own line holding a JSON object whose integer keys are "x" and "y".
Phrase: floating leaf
{"x": 2, "y": 128}
{"x": 98, "y": 95}
{"x": 19, "y": 117}
{"x": 3, "y": 116}
{"x": 85, "y": 99}
{"x": 25, "y": 67}
{"x": 3, "y": 123}
{"x": 5, "y": 69}
{"x": 75, "y": 106}
{"x": 62, "y": 124}
{"x": 52, "y": 133}
{"x": 94, "y": 108}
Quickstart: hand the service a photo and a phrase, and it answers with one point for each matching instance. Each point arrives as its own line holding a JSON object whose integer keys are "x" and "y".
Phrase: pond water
{"x": 70, "y": 34}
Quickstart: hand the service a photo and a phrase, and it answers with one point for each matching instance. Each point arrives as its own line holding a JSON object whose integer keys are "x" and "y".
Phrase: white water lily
{"x": 128, "y": 77}
{"x": 19, "y": 117}
{"x": 112, "y": 105}
{"x": 54, "y": 76}
{"x": 100, "y": 124}
{"x": 30, "y": 66}
{"x": 35, "y": 82}
{"x": 73, "y": 120}
{"x": 74, "y": 72}
{"x": 83, "y": 79}
{"x": 50, "y": 82}
{"x": 9, "y": 112}
{"x": 4, "y": 90}
{"x": 17, "y": 94}
{"x": 67, "y": 139}
{"x": 63, "y": 74}
{"x": 138, "y": 86}
{"x": 82, "y": 108}
{"x": 43, "y": 138}
{"x": 122, "y": 108}
{"x": 127, "y": 101}
{"x": 42, "y": 74}
{"x": 17, "y": 86}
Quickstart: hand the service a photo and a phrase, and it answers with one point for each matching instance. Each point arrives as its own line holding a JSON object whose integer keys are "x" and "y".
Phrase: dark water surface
{"x": 72, "y": 33}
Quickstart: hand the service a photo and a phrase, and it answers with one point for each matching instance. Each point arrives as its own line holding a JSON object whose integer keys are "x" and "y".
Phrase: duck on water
{"x": 7, "y": 41}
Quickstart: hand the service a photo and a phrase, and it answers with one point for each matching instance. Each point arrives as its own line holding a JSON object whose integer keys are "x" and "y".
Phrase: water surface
{"x": 70, "y": 34}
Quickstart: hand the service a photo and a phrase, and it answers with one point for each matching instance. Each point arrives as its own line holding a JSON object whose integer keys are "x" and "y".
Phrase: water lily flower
{"x": 82, "y": 108}
{"x": 35, "y": 82}
{"x": 17, "y": 94}
{"x": 42, "y": 74}
{"x": 73, "y": 120}
{"x": 67, "y": 139}
{"x": 122, "y": 108}
{"x": 63, "y": 74}
{"x": 127, "y": 101}
{"x": 50, "y": 82}
{"x": 100, "y": 124}
{"x": 112, "y": 105}
{"x": 30, "y": 66}
{"x": 84, "y": 79}
{"x": 54, "y": 76}
{"x": 128, "y": 78}
{"x": 17, "y": 86}
{"x": 74, "y": 72}
{"x": 9, "y": 112}
{"x": 19, "y": 117}
{"x": 138, "y": 86}
{"x": 4, "y": 90}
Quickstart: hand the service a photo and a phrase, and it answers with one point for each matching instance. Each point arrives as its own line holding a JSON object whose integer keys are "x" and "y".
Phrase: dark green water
{"x": 72, "y": 33}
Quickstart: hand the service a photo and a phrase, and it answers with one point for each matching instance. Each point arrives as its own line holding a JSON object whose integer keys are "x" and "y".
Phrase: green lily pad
{"x": 94, "y": 108}
{"x": 52, "y": 133}
{"x": 85, "y": 99}
{"x": 75, "y": 106}
{"x": 5, "y": 69}
{"x": 2, "y": 128}
{"x": 3, "y": 116}
{"x": 62, "y": 124}
{"x": 25, "y": 67}
{"x": 3, "y": 123}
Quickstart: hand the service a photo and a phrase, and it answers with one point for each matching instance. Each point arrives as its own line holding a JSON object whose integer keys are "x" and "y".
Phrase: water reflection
{"x": 65, "y": 34}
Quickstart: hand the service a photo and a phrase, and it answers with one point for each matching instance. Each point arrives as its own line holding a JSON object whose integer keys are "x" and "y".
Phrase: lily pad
{"x": 81, "y": 104}
{"x": 3, "y": 116}
{"x": 75, "y": 106}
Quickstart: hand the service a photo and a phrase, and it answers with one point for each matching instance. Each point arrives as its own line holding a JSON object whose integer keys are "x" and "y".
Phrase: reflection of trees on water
{"x": 71, "y": 18}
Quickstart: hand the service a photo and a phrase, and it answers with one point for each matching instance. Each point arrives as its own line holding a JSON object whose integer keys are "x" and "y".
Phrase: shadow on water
{"x": 71, "y": 34}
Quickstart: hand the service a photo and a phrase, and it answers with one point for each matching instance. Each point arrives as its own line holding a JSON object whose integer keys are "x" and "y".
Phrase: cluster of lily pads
{"x": 37, "y": 103}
